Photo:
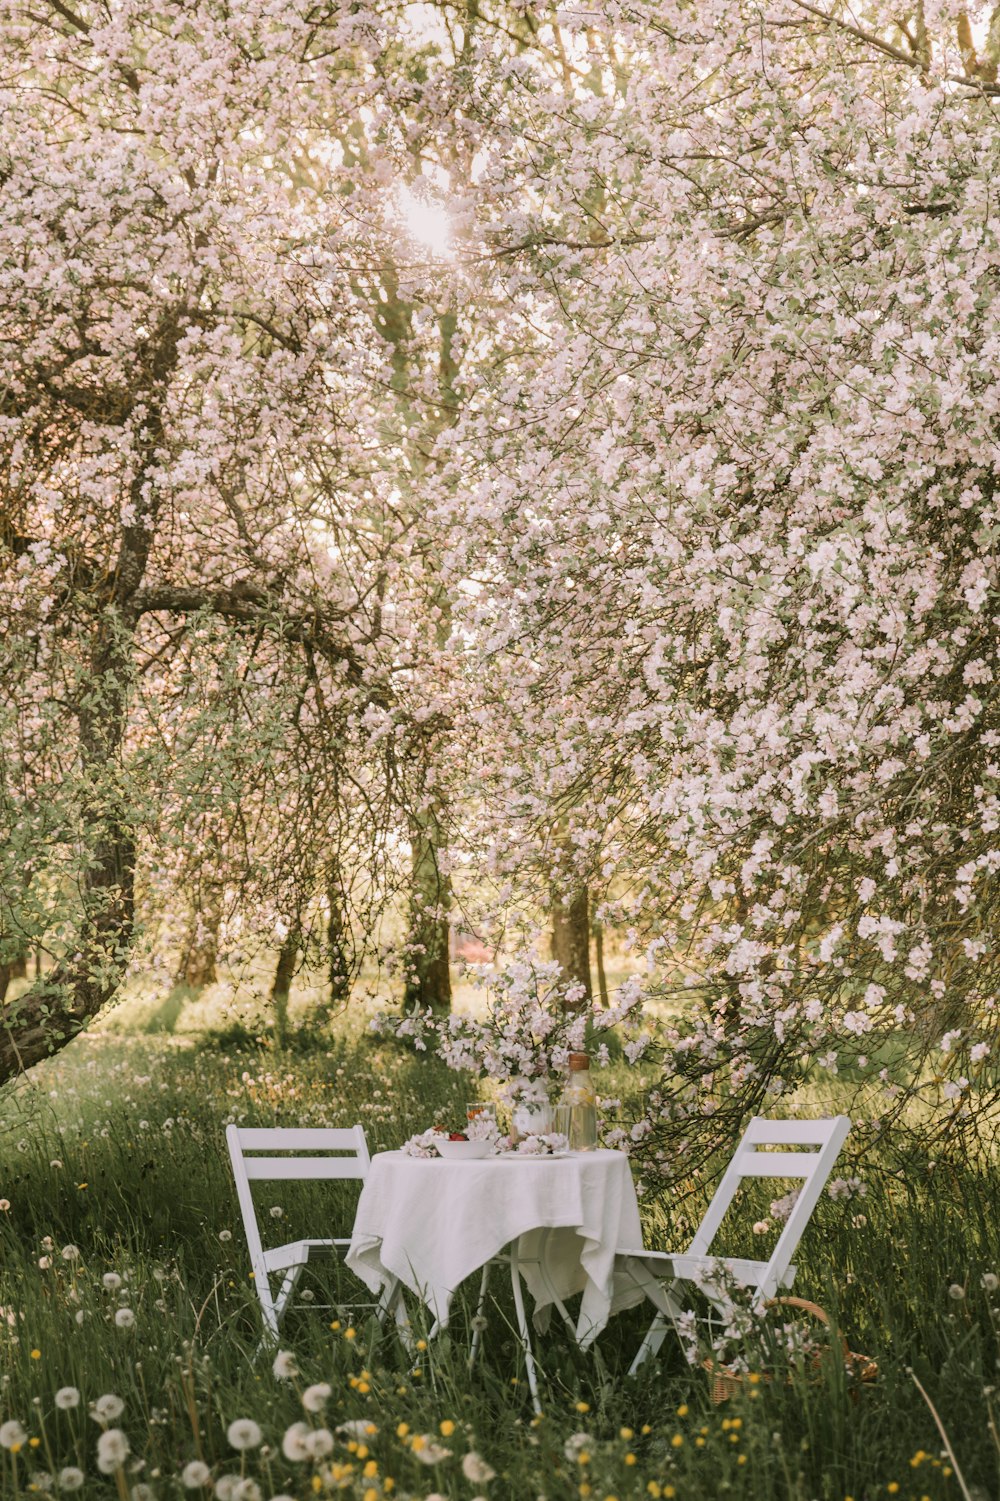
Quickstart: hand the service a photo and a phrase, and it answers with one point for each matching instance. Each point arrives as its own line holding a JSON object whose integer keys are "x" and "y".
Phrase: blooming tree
{"x": 734, "y": 534}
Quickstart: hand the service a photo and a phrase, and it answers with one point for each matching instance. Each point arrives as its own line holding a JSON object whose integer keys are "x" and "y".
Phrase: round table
{"x": 429, "y": 1223}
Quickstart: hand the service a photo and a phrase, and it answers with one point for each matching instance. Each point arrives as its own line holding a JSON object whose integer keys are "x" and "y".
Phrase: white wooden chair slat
{"x": 701, "y": 1269}
{"x": 776, "y": 1164}
{"x": 663, "y": 1275}
{"x": 289, "y": 1169}
{"x": 762, "y": 1132}
{"x": 302, "y": 1138}
{"x": 289, "y": 1259}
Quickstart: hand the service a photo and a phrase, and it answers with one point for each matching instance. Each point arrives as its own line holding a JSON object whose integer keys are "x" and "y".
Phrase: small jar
{"x": 580, "y": 1098}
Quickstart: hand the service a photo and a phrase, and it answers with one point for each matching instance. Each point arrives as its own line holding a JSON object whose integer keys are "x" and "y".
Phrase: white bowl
{"x": 463, "y": 1151}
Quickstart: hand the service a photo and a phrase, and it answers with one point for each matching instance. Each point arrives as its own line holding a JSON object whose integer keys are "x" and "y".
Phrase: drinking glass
{"x": 480, "y": 1107}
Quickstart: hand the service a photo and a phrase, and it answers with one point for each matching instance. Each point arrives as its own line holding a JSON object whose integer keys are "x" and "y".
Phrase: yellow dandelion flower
{"x": 370, "y": 1470}
{"x": 402, "y": 1429}
{"x": 677, "y": 1441}
{"x": 447, "y": 1427}
{"x": 682, "y": 1411}
{"x": 350, "y": 1334}
{"x": 583, "y": 1406}
{"x": 630, "y": 1459}
{"x": 36, "y": 1354}
{"x": 625, "y": 1433}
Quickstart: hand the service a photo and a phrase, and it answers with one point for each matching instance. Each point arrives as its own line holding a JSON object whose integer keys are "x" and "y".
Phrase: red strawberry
{"x": 456, "y": 1135}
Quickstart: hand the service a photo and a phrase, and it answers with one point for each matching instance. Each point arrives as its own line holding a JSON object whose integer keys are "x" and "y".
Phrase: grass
{"x": 116, "y": 1149}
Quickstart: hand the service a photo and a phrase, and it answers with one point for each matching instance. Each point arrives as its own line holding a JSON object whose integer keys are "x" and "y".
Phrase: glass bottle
{"x": 580, "y": 1097}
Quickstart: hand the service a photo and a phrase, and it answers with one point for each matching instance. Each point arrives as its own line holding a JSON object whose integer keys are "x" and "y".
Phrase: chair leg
{"x": 288, "y": 1286}
{"x": 269, "y": 1314}
{"x": 524, "y": 1331}
{"x": 476, "y": 1323}
{"x": 667, "y": 1313}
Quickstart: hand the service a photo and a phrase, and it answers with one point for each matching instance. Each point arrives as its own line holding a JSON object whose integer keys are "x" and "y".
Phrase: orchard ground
{"x": 124, "y": 1275}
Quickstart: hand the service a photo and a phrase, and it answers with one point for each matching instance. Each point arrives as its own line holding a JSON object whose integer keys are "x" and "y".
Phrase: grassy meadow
{"x": 129, "y": 1323}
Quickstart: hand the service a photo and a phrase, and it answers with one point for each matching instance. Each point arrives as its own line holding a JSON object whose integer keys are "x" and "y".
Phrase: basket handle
{"x": 812, "y": 1308}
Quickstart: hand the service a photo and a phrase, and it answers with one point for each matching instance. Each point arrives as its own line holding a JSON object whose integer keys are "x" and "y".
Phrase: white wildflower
{"x": 357, "y": 1428}
{"x": 314, "y": 1398}
{"x": 70, "y": 1478}
{"x": 67, "y": 1397}
{"x": 111, "y": 1281}
{"x": 107, "y": 1408}
{"x": 112, "y": 1451}
{"x": 285, "y": 1367}
{"x": 956, "y": 1292}
{"x": 124, "y": 1318}
{"x": 475, "y": 1468}
{"x": 319, "y": 1443}
{"x": 990, "y": 1282}
{"x": 225, "y": 1487}
{"x": 243, "y": 1433}
{"x": 577, "y": 1444}
{"x": 195, "y": 1473}
{"x": 71, "y": 1253}
{"x": 427, "y": 1450}
{"x": 293, "y": 1445}
{"x": 12, "y": 1435}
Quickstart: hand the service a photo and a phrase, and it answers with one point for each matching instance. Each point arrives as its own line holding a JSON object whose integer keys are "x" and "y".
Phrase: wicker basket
{"x": 724, "y": 1383}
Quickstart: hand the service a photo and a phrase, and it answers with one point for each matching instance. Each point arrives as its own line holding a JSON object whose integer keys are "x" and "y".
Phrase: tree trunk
{"x": 602, "y": 979}
{"x": 571, "y": 936}
{"x": 428, "y": 974}
{"x": 282, "y": 987}
{"x": 197, "y": 967}
{"x": 338, "y": 938}
{"x": 13, "y": 968}
{"x": 57, "y": 1005}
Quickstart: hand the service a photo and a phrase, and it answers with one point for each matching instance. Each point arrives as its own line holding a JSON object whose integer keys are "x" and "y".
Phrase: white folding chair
{"x": 806, "y": 1150}
{"x": 283, "y": 1154}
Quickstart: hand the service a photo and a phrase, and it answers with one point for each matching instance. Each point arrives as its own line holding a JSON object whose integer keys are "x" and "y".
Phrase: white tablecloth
{"x": 432, "y": 1223}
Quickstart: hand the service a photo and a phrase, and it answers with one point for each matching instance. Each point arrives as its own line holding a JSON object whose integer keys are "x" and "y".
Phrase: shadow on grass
{"x": 164, "y": 1018}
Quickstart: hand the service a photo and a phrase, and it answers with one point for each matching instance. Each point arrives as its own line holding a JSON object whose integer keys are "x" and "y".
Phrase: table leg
{"x": 522, "y": 1324}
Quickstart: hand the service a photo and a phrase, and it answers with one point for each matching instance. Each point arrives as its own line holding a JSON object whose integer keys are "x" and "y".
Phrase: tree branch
{"x": 251, "y": 605}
